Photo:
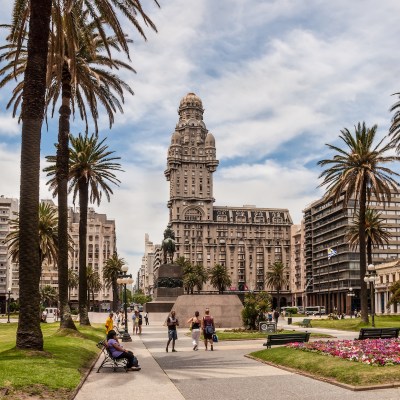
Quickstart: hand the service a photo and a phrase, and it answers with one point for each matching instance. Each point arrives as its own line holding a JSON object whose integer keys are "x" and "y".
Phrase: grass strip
{"x": 59, "y": 368}
{"x": 328, "y": 367}
{"x": 355, "y": 324}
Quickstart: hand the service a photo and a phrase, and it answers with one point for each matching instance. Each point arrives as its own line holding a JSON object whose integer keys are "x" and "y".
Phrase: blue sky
{"x": 278, "y": 80}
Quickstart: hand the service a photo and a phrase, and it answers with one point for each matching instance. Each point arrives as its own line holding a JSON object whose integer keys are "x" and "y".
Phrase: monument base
{"x": 225, "y": 308}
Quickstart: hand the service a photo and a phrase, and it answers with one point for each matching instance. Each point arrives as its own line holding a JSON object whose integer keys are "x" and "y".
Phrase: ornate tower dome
{"x": 191, "y": 101}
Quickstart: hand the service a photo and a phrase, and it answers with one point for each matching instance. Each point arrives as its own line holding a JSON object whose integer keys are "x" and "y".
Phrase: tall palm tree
{"x": 94, "y": 284}
{"x": 72, "y": 281}
{"x": 37, "y": 14}
{"x": 91, "y": 171}
{"x": 112, "y": 268}
{"x": 219, "y": 277}
{"x": 29, "y": 333}
{"x": 276, "y": 278}
{"x": 359, "y": 171}
{"x": 375, "y": 231}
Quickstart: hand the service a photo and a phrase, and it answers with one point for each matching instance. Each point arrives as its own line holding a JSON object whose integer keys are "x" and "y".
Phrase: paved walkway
{"x": 222, "y": 374}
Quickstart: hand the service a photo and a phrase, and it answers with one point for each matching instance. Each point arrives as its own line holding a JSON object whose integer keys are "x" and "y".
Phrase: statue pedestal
{"x": 168, "y": 288}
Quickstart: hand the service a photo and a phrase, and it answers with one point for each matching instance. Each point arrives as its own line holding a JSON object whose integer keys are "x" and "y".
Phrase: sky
{"x": 278, "y": 80}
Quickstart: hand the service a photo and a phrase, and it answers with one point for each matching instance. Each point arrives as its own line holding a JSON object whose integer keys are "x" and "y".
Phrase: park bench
{"x": 306, "y": 323}
{"x": 284, "y": 338}
{"x": 109, "y": 360}
{"x": 378, "y": 333}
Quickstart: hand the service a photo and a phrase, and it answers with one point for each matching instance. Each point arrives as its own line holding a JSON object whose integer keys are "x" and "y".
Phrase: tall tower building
{"x": 244, "y": 239}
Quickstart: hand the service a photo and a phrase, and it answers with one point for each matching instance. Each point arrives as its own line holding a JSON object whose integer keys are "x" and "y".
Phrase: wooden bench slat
{"x": 285, "y": 338}
{"x": 378, "y": 333}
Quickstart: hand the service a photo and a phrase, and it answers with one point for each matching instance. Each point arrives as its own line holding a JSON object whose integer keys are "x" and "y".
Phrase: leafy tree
{"x": 49, "y": 296}
{"x": 91, "y": 171}
{"x": 219, "y": 278}
{"x": 375, "y": 231}
{"x": 140, "y": 298}
{"x": 94, "y": 283}
{"x": 359, "y": 171}
{"x": 111, "y": 270}
{"x": 276, "y": 278}
{"x": 72, "y": 281}
{"x": 255, "y": 306}
{"x": 394, "y": 289}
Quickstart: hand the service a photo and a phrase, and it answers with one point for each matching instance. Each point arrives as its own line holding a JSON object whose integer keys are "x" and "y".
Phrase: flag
{"x": 331, "y": 253}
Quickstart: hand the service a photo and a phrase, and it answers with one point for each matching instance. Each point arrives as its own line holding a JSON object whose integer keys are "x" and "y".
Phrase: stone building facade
{"x": 386, "y": 275}
{"x": 244, "y": 239}
{"x": 297, "y": 266}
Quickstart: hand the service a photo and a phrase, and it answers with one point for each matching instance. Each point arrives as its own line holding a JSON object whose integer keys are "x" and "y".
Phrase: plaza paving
{"x": 222, "y": 374}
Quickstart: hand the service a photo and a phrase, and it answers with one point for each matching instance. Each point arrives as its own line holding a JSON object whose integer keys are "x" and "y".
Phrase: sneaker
{"x": 195, "y": 347}
{"x": 134, "y": 369}
{"x": 174, "y": 351}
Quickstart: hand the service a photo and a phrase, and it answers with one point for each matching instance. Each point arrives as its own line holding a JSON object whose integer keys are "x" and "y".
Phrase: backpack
{"x": 209, "y": 329}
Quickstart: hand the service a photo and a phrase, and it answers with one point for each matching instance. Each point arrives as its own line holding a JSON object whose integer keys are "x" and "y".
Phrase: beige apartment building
{"x": 8, "y": 269}
{"x": 151, "y": 260}
{"x": 101, "y": 244}
{"x": 297, "y": 266}
{"x": 247, "y": 240}
{"x": 386, "y": 275}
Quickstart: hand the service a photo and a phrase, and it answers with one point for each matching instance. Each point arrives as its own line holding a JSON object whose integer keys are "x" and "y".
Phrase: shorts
{"x": 207, "y": 335}
{"x": 172, "y": 334}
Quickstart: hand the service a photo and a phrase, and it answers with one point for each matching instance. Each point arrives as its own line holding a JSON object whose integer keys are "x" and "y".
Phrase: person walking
{"x": 195, "y": 325}
{"x": 146, "y": 318}
{"x": 109, "y": 323}
{"x": 135, "y": 323}
{"x": 276, "y": 317}
{"x": 172, "y": 323}
{"x": 140, "y": 322}
{"x": 208, "y": 327}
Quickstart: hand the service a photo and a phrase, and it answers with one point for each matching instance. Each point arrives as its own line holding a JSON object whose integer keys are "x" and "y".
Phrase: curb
{"x": 328, "y": 380}
{"x": 83, "y": 380}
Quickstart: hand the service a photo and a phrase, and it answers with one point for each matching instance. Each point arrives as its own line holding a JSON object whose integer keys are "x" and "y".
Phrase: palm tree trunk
{"x": 115, "y": 296}
{"x": 29, "y": 334}
{"x": 369, "y": 250}
{"x": 278, "y": 295}
{"x": 62, "y": 183}
{"x": 363, "y": 260}
{"x": 83, "y": 287}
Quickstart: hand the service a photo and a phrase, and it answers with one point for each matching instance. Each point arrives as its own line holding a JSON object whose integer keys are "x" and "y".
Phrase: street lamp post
{"x": 125, "y": 279}
{"x": 370, "y": 278}
{"x": 351, "y": 294}
{"x": 8, "y": 304}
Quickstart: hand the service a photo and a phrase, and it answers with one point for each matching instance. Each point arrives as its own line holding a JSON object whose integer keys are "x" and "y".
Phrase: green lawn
{"x": 355, "y": 324}
{"x": 236, "y": 334}
{"x": 340, "y": 370}
{"x": 58, "y": 369}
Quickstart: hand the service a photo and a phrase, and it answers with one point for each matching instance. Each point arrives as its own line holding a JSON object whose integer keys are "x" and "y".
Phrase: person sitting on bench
{"x": 118, "y": 352}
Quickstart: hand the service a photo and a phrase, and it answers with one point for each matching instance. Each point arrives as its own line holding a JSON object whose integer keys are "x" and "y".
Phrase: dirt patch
{"x": 36, "y": 392}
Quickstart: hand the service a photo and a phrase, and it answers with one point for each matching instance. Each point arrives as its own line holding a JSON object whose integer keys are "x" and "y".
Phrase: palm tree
{"x": 359, "y": 171}
{"x": 72, "y": 281}
{"x": 90, "y": 80}
{"x": 48, "y": 295}
{"x": 94, "y": 284}
{"x": 29, "y": 333}
{"x": 276, "y": 278}
{"x": 91, "y": 171}
{"x": 201, "y": 275}
{"x": 37, "y": 14}
{"x": 219, "y": 277}
{"x": 47, "y": 232}
{"x": 112, "y": 268}
{"x": 375, "y": 231}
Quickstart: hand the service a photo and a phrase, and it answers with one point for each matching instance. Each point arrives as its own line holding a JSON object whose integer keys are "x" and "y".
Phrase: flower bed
{"x": 370, "y": 351}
